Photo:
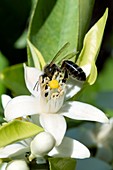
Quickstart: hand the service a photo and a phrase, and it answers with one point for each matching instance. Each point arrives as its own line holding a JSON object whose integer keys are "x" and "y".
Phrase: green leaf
{"x": 67, "y": 22}
{"x": 38, "y": 59}
{"x": 40, "y": 12}
{"x": 62, "y": 163}
{"x": 57, "y": 30}
{"x": 85, "y": 13}
{"x": 17, "y": 130}
{"x": 13, "y": 78}
{"x": 91, "y": 46}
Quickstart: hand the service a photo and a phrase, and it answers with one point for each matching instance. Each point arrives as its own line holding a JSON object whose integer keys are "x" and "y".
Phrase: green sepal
{"x": 91, "y": 47}
{"x": 17, "y": 130}
{"x": 38, "y": 60}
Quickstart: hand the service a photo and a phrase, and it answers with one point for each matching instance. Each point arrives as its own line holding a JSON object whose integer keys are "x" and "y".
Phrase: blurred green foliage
{"x": 3, "y": 64}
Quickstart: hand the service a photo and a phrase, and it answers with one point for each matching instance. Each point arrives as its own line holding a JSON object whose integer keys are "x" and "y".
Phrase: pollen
{"x": 53, "y": 84}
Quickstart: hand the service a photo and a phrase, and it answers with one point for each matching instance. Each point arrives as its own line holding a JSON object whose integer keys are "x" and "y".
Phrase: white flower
{"x": 19, "y": 149}
{"x": 49, "y": 102}
{"x": 98, "y": 136}
{"x": 3, "y": 166}
{"x": 39, "y": 147}
{"x": 16, "y": 149}
{"x": 17, "y": 165}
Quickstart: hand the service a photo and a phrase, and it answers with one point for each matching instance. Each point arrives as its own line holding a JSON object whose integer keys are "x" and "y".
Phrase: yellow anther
{"x": 53, "y": 84}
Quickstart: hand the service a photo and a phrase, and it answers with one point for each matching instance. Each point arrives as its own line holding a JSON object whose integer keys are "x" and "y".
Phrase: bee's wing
{"x": 68, "y": 56}
{"x": 59, "y": 52}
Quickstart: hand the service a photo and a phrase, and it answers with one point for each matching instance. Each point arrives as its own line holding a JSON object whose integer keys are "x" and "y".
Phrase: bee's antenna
{"x": 35, "y": 85}
{"x": 59, "y": 52}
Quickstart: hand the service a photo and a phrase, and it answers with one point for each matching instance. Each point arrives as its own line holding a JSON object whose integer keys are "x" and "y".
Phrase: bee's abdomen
{"x": 73, "y": 70}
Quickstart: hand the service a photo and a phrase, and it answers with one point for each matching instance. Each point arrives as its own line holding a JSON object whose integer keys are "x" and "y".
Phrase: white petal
{"x": 3, "y": 166}
{"x": 73, "y": 87}
{"x": 21, "y": 106}
{"x": 92, "y": 164}
{"x": 35, "y": 119}
{"x": 13, "y": 150}
{"x": 86, "y": 68}
{"x": 54, "y": 124}
{"x": 70, "y": 148}
{"x": 31, "y": 78}
{"x": 42, "y": 143}
{"x": 18, "y": 165}
{"x": 82, "y": 111}
{"x": 105, "y": 132}
{"x": 5, "y": 99}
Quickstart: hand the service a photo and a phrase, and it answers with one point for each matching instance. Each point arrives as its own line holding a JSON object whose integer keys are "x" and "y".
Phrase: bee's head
{"x": 49, "y": 70}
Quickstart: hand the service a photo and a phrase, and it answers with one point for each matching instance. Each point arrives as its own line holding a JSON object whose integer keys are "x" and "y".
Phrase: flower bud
{"x": 17, "y": 165}
{"x": 41, "y": 145}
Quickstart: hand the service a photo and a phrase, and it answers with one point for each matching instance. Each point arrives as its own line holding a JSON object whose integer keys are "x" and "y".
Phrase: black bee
{"x": 68, "y": 67}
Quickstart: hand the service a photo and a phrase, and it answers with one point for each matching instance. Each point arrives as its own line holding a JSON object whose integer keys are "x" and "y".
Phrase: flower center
{"x": 52, "y": 92}
{"x": 53, "y": 84}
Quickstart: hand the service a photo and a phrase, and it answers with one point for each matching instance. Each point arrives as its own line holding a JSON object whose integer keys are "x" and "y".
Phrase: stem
{"x": 34, "y": 166}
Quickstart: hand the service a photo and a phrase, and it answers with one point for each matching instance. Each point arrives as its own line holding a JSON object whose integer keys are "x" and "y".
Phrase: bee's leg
{"x": 64, "y": 70}
{"x": 65, "y": 76}
{"x": 63, "y": 65}
{"x": 41, "y": 80}
{"x": 42, "y": 77}
{"x": 55, "y": 75}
